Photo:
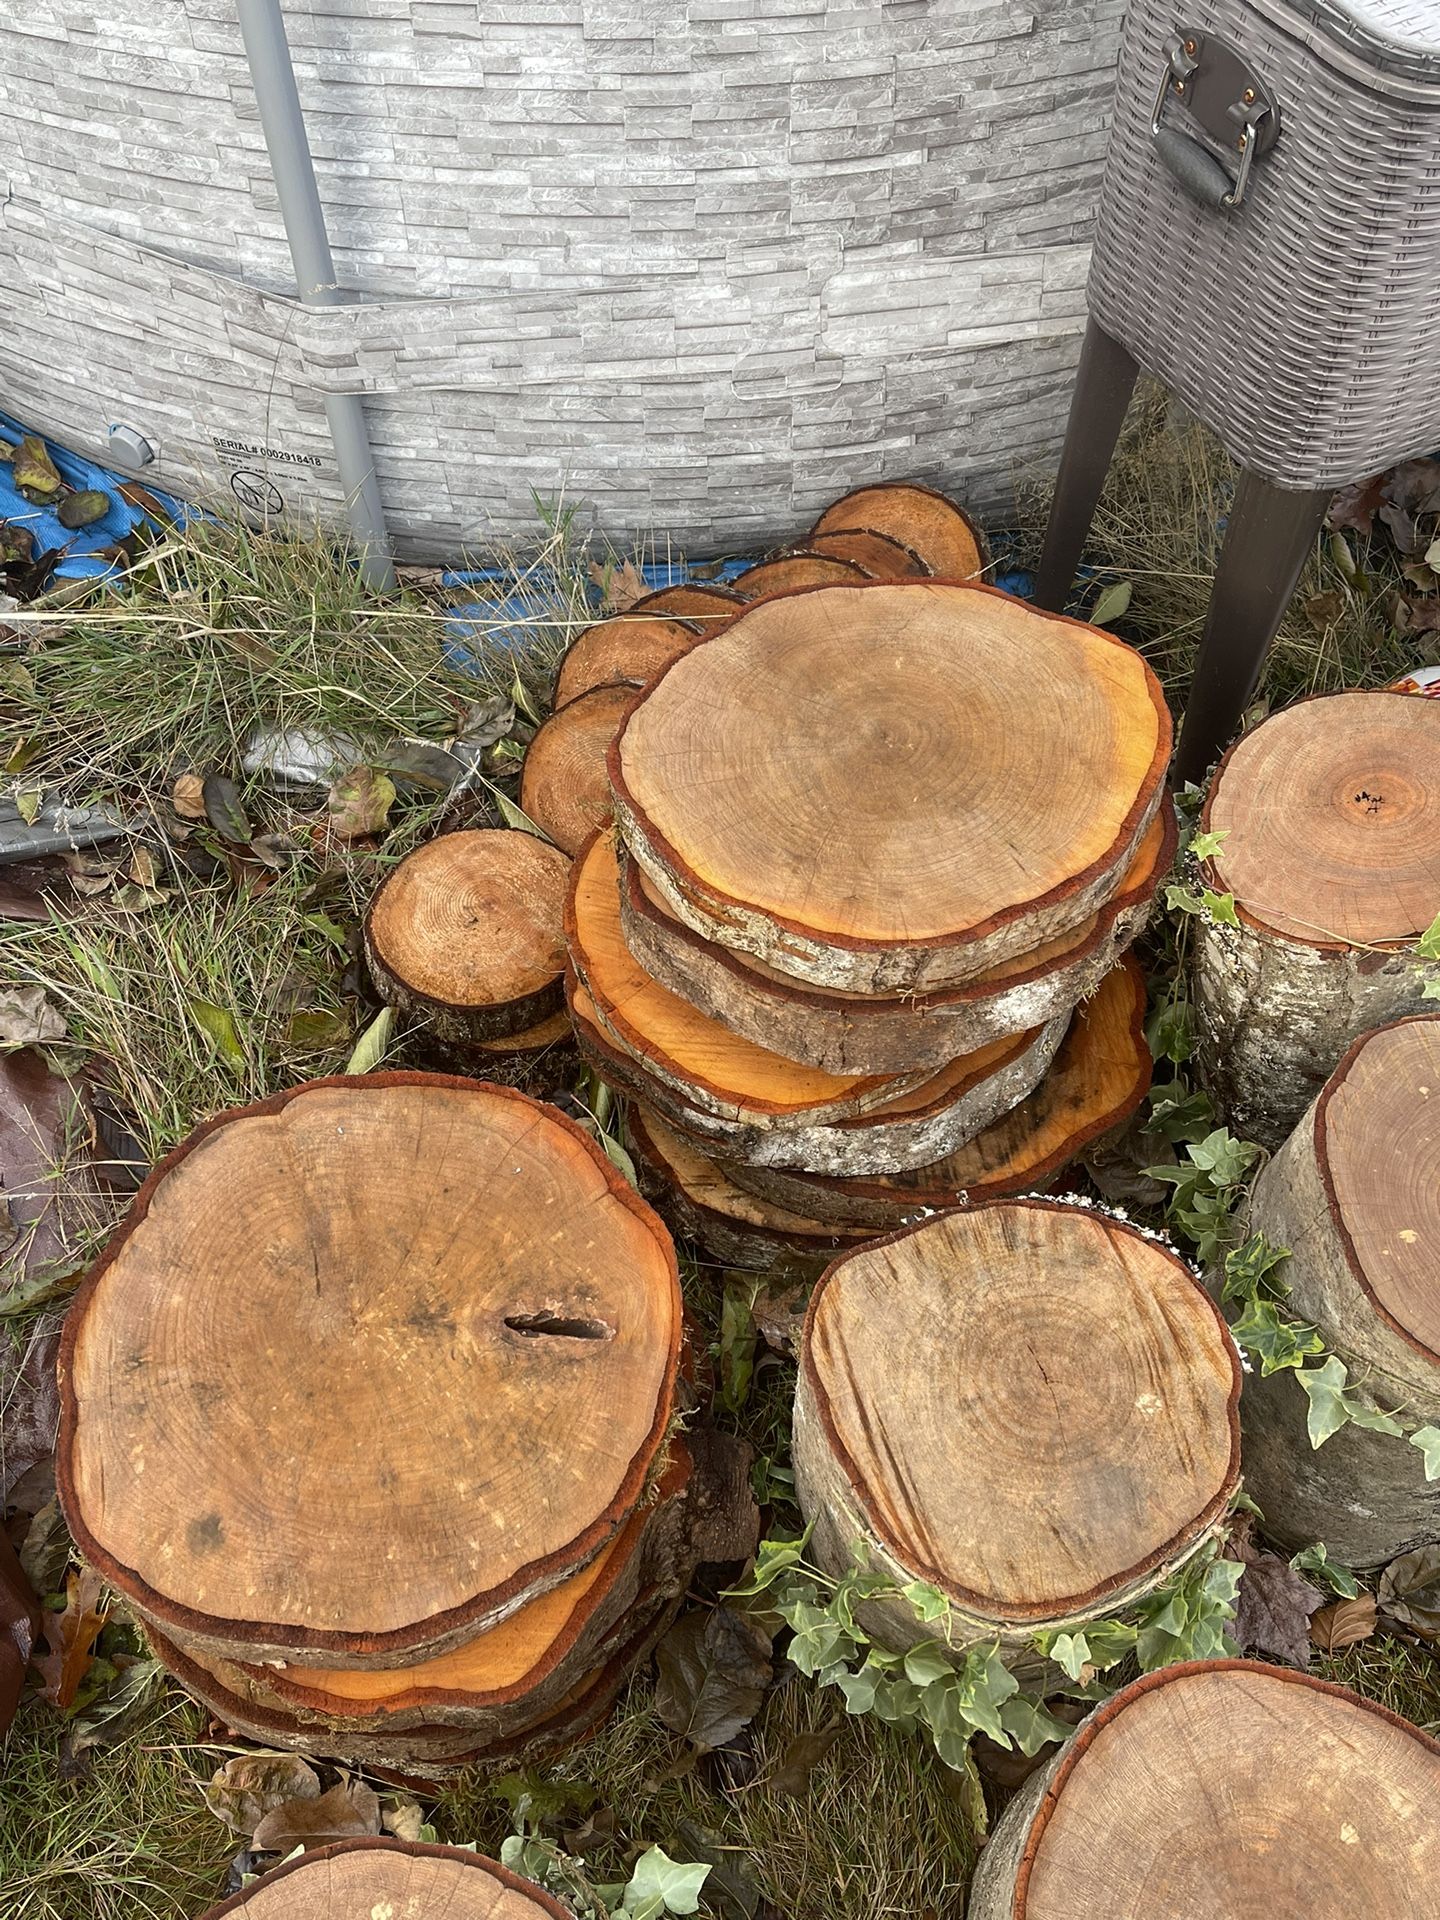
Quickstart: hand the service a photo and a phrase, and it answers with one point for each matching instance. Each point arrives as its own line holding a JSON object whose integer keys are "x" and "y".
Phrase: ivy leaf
{"x": 953, "y": 1746}
{"x": 1250, "y": 1271}
{"x": 1206, "y": 845}
{"x": 1373, "y": 1419}
{"x": 1069, "y": 1651}
{"x": 1427, "y": 1439}
{"x": 1030, "y": 1726}
{"x": 1109, "y": 1641}
{"x": 1325, "y": 1388}
{"x": 1431, "y": 988}
{"x": 1169, "y": 1037}
{"x": 659, "y": 1878}
{"x": 929, "y": 1602}
{"x": 1220, "y": 907}
{"x": 926, "y": 1663}
{"x": 1275, "y": 1342}
{"x": 859, "y": 1689}
{"x": 1316, "y": 1559}
{"x": 1183, "y": 900}
{"x": 772, "y": 1558}
{"x": 1428, "y": 945}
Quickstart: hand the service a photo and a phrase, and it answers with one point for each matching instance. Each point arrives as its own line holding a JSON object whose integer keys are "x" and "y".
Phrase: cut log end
{"x": 564, "y": 786}
{"x": 372, "y": 1879}
{"x": 945, "y": 539}
{"x": 628, "y": 650}
{"x": 692, "y": 601}
{"x": 1030, "y": 1404}
{"x": 877, "y": 555}
{"x": 787, "y": 571}
{"x": 467, "y": 935}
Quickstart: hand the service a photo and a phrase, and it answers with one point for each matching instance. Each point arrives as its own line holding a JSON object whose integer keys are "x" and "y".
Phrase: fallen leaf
{"x": 142, "y": 868}
{"x": 28, "y": 1019}
{"x": 187, "y": 796}
{"x": 620, "y": 587}
{"x": 1355, "y": 506}
{"x": 29, "y": 1399}
{"x": 19, "y": 1625}
{"x": 1410, "y": 1591}
{"x": 312, "y": 1030}
{"x": 105, "y": 1719}
{"x": 403, "y": 1816}
{"x": 360, "y": 803}
{"x": 714, "y": 1668}
{"x": 1322, "y": 610}
{"x": 224, "y": 811}
{"x": 71, "y": 1635}
{"x": 371, "y": 1046}
{"x": 779, "y": 1315}
{"x": 92, "y": 872}
{"x": 255, "y": 1784}
{"x": 83, "y": 509}
{"x": 1343, "y": 1623}
{"x": 1112, "y": 602}
{"x": 347, "y": 1812}
{"x": 272, "y": 850}
{"x": 1273, "y": 1609}
{"x": 732, "y": 1889}
{"x": 36, "y": 474}
{"x": 219, "y": 1028}
{"x": 45, "y": 1550}
{"x": 800, "y": 1758}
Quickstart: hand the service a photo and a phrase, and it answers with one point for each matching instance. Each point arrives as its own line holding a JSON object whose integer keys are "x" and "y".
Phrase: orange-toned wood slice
{"x": 694, "y": 600}
{"x": 930, "y": 525}
{"x": 626, "y": 650}
{"x": 1223, "y": 1788}
{"x": 368, "y": 1324}
{"x": 466, "y": 934}
{"x": 1099, "y": 1077}
{"x": 375, "y": 1879}
{"x": 564, "y": 785}
{"x": 786, "y": 571}
{"x": 892, "y": 787}
{"x": 1031, "y": 1405}
{"x": 554, "y": 1032}
{"x": 877, "y": 555}
{"x": 892, "y": 1033}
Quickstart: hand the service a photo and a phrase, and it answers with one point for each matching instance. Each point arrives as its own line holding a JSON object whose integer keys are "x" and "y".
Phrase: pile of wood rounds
{"x": 856, "y": 941}
{"x": 1329, "y": 813}
{"x": 390, "y": 1880}
{"x": 367, "y": 1413}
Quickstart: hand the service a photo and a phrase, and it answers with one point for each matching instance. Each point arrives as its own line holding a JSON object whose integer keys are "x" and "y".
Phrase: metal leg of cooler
{"x": 1103, "y": 385}
{"x": 1270, "y": 537}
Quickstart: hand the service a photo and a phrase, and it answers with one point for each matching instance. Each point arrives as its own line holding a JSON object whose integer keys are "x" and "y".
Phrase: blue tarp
{"x": 82, "y": 558}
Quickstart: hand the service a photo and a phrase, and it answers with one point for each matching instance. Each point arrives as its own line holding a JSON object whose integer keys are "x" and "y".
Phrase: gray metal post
{"x": 262, "y": 26}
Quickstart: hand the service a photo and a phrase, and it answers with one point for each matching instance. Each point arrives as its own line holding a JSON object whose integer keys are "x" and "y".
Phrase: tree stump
{"x": 564, "y": 785}
{"x": 1354, "y": 1194}
{"x": 390, "y": 1880}
{"x": 624, "y": 651}
{"x": 702, "y": 1202}
{"x": 467, "y": 935}
{"x": 784, "y": 572}
{"x": 861, "y": 786}
{"x": 331, "y": 1393}
{"x": 1030, "y": 1405}
{"x": 945, "y": 539}
{"x": 877, "y": 555}
{"x": 892, "y": 1033}
{"x": 1331, "y": 812}
{"x": 1219, "y": 1788}
{"x": 1096, "y": 1082}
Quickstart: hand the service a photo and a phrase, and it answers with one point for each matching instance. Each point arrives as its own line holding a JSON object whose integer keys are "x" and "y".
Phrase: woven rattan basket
{"x": 1302, "y": 324}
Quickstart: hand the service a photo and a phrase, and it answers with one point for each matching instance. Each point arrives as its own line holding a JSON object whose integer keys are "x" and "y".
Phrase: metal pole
{"x": 262, "y": 26}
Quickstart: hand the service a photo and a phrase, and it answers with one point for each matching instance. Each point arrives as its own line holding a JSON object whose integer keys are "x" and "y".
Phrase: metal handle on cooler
{"x": 1231, "y": 105}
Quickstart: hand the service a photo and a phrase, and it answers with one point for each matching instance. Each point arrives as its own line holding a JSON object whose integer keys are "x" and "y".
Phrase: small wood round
{"x": 553, "y": 1032}
{"x": 625, "y": 650}
{"x": 1098, "y": 1079}
{"x": 876, "y": 554}
{"x": 375, "y": 1879}
{"x": 564, "y": 785}
{"x": 1223, "y": 1790}
{"x": 946, "y": 540}
{"x": 1331, "y": 817}
{"x": 1031, "y": 1405}
{"x": 692, "y": 601}
{"x": 892, "y": 1033}
{"x": 786, "y": 571}
{"x": 334, "y": 1390}
{"x": 865, "y": 788}
{"x": 677, "y": 1044}
{"x": 466, "y": 934}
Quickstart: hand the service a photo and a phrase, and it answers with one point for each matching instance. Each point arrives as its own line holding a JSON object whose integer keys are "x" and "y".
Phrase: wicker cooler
{"x": 1268, "y": 245}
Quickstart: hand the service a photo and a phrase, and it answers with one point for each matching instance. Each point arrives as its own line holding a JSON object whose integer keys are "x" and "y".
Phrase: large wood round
{"x": 919, "y": 518}
{"x": 390, "y": 1880}
{"x": 785, "y": 571}
{"x": 1223, "y": 1790}
{"x": 1030, "y": 1404}
{"x": 1097, "y": 1080}
{"x": 626, "y": 650}
{"x": 877, "y": 555}
{"x": 892, "y": 1033}
{"x": 892, "y": 786}
{"x": 564, "y": 785}
{"x": 467, "y": 934}
{"x": 367, "y": 1366}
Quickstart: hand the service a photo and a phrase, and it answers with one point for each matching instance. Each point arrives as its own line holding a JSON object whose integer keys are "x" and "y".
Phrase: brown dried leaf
{"x": 36, "y": 474}
{"x": 187, "y": 796}
{"x": 714, "y": 1668}
{"x": 27, "y": 1018}
{"x": 1322, "y": 610}
{"x": 1410, "y": 1591}
{"x": 1343, "y": 1623}
{"x": 224, "y": 811}
{"x": 1356, "y": 506}
{"x": 620, "y": 587}
{"x": 360, "y": 803}
{"x": 255, "y": 1784}
{"x": 347, "y": 1812}
{"x": 779, "y": 1315}
{"x": 70, "y": 1636}
{"x": 800, "y": 1758}
{"x": 1273, "y": 1609}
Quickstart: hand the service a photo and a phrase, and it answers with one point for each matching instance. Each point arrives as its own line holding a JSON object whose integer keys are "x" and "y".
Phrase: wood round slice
{"x": 333, "y": 1393}
{"x": 1097, "y": 1080}
{"x": 1031, "y": 1405}
{"x": 1223, "y": 1790}
{"x": 892, "y": 786}
{"x": 892, "y": 1033}
{"x": 876, "y": 554}
{"x": 545, "y": 1034}
{"x": 703, "y": 1203}
{"x": 375, "y": 1879}
{"x": 467, "y": 934}
{"x": 626, "y": 650}
{"x": 679, "y": 1047}
{"x": 786, "y": 571}
{"x": 694, "y": 600}
{"x": 946, "y": 540}
{"x": 564, "y": 785}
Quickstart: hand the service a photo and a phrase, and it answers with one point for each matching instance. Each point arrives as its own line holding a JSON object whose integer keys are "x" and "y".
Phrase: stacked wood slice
{"x": 1030, "y": 1405}
{"x": 1219, "y": 1788}
{"x": 1330, "y": 812}
{"x": 367, "y": 1413}
{"x": 1354, "y": 1194}
{"x": 874, "y": 846}
{"x": 390, "y": 1880}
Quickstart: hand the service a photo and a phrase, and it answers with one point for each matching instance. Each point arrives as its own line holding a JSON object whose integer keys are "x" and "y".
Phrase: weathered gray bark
{"x": 992, "y": 1891}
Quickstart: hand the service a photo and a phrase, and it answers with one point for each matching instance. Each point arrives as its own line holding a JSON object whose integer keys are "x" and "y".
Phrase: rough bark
{"x": 931, "y": 526}
{"x": 1030, "y": 1405}
{"x": 564, "y": 786}
{"x": 385, "y": 1877}
{"x": 883, "y": 816}
{"x": 1218, "y": 1788}
{"x": 397, "y": 1322}
{"x": 878, "y": 1033}
{"x": 467, "y": 937}
{"x": 1354, "y": 1194}
{"x": 1097, "y": 1080}
{"x": 627, "y": 649}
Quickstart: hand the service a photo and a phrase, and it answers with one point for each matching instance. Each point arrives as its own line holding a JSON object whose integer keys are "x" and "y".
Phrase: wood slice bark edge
{"x": 351, "y": 1857}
